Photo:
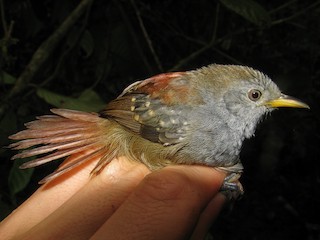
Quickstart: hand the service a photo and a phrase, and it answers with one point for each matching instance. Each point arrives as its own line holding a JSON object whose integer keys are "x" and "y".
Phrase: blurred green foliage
{"x": 116, "y": 42}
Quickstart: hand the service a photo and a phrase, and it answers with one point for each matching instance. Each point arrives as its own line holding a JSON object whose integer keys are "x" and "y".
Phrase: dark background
{"x": 48, "y": 60}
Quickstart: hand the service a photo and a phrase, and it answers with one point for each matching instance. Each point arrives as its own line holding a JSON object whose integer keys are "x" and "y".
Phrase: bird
{"x": 196, "y": 117}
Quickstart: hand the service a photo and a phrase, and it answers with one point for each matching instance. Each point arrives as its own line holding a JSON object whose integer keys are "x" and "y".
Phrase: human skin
{"x": 124, "y": 201}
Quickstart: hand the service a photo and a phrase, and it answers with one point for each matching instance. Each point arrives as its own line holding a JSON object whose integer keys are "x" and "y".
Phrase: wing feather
{"x": 152, "y": 108}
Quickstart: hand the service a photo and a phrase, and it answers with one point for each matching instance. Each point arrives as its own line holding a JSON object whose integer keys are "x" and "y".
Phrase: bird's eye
{"x": 254, "y": 95}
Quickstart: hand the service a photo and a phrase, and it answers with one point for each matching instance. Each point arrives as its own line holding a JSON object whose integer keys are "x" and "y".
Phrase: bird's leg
{"x": 231, "y": 185}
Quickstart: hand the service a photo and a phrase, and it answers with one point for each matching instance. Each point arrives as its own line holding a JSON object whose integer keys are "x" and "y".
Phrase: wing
{"x": 156, "y": 108}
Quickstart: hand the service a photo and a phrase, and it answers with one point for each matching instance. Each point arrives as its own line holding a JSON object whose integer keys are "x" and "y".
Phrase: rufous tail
{"x": 69, "y": 133}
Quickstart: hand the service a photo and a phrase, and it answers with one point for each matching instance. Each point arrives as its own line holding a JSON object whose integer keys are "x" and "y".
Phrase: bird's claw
{"x": 231, "y": 187}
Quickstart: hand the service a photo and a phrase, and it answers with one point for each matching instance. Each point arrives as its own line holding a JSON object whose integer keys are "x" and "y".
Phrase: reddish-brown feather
{"x": 163, "y": 86}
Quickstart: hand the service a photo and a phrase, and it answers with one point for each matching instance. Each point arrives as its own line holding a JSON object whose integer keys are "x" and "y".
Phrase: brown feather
{"x": 83, "y": 137}
{"x": 73, "y": 161}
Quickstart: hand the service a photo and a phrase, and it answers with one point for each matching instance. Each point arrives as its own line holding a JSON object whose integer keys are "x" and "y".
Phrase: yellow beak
{"x": 286, "y": 101}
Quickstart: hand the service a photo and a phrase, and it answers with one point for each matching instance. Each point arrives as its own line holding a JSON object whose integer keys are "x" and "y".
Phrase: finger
{"x": 165, "y": 205}
{"x": 208, "y": 215}
{"x": 96, "y": 201}
{"x": 44, "y": 201}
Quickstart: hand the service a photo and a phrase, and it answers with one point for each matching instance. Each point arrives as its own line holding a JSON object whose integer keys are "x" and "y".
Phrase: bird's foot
{"x": 231, "y": 187}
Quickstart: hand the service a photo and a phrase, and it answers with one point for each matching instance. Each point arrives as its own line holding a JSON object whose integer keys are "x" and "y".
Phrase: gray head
{"x": 234, "y": 100}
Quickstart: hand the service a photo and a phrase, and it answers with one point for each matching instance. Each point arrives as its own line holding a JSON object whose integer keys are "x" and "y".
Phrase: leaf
{"x": 250, "y": 10}
{"x": 18, "y": 178}
{"x": 6, "y": 78}
{"x": 88, "y": 100}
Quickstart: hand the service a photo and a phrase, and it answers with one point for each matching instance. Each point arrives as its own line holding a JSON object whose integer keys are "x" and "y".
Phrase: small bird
{"x": 194, "y": 117}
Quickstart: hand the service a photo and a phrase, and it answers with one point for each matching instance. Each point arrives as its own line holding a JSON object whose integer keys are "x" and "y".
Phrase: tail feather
{"x": 47, "y": 158}
{"x": 76, "y": 115}
{"x": 53, "y": 156}
{"x": 73, "y": 134}
{"x": 31, "y": 133}
{"x": 52, "y": 147}
{"x": 23, "y": 144}
{"x": 105, "y": 159}
{"x": 57, "y": 123}
{"x": 72, "y": 162}
{"x": 82, "y": 137}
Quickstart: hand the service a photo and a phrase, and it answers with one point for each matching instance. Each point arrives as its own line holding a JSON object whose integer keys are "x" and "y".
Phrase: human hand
{"x": 124, "y": 201}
